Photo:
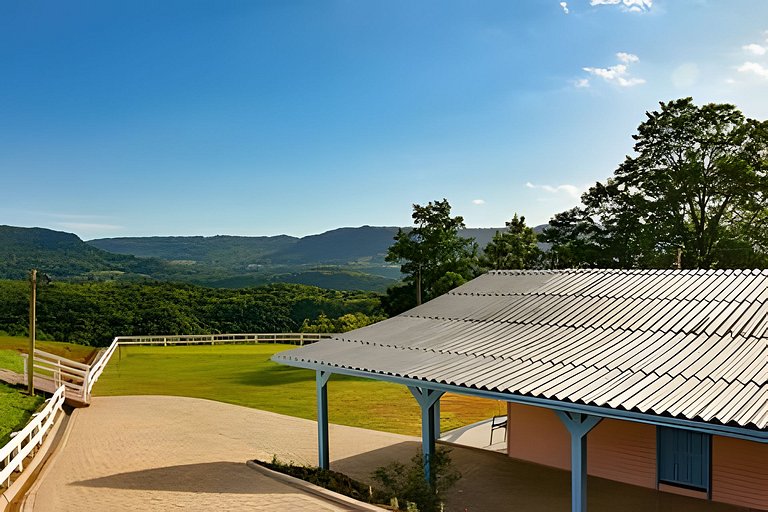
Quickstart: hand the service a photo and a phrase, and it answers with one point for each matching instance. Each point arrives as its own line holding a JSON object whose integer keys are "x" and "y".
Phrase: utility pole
{"x": 32, "y": 321}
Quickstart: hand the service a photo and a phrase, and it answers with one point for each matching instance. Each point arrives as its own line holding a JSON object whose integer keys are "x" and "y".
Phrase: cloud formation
{"x": 569, "y": 190}
{"x": 755, "y": 49}
{"x": 627, "y": 5}
{"x": 564, "y": 5}
{"x": 478, "y": 201}
{"x": 750, "y": 67}
{"x": 754, "y": 68}
{"x": 618, "y": 74}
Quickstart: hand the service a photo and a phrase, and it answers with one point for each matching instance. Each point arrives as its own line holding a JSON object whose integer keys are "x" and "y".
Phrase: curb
{"x": 27, "y": 503}
{"x": 353, "y": 504}
{"x": 33, "y": 469}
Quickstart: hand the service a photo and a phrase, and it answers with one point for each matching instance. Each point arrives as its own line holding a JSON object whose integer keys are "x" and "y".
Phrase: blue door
{"x": 684, "y": 458}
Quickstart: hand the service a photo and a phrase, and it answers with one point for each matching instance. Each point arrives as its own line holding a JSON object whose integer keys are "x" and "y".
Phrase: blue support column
{"x": 427, "y": 399}
{"x": 436, "y": 407}
{"x": 323, "y": 457}
{"x": 579, "y": 426}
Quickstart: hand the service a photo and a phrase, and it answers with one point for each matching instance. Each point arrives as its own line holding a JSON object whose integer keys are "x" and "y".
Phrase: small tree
{"x": 431, "y": 249}
{"x": 515, "y": 248}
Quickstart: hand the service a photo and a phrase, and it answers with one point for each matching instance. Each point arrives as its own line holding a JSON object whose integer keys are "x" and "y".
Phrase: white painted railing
{"x": 22, "y": 443}
{"x": 61, "y": 371}
{"x": 297, "y": 338}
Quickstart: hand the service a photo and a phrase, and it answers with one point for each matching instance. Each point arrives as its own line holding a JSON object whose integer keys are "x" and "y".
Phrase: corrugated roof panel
{"x": 741, "y": 359}
{"x": 658, "y": 341}
{"x": 638, "y": 392}
{"x": 751, "y": 410}
{"x": 673, "y": 392}
{"x": 721, "y": 402}
{"x": 707, "y": 393}
{"x": 730, "y": 411}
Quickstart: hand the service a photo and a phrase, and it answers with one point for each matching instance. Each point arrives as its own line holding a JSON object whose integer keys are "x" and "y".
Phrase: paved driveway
{"x": 168, "y": 453}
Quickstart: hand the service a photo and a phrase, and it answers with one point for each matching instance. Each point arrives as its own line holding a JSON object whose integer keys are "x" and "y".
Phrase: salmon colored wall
{"x": 619, "y": 450}
{"x": 740, "y": 472}
{"x": 626, "y": 451}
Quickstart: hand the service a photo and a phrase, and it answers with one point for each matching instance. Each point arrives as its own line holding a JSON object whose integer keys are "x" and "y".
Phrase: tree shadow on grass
{"x": 209, "y": 477}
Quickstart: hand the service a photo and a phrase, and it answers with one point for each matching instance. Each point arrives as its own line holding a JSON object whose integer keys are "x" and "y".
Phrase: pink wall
{"x": 740, "y": 472}
{"x": 618, "y": 450}
{"x": 626, "y": 452}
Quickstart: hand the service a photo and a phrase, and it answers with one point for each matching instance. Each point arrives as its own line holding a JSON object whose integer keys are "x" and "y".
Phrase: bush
{"x": 406, "y": 485}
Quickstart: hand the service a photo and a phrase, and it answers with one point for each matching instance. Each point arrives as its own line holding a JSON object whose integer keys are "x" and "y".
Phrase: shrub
{"x": 406, "y": 483}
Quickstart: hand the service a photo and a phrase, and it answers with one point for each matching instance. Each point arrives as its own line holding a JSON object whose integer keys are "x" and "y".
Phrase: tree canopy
{"x": 515, "y": 248}
{"x": 698, "y": 182}
{"x": 432, "y": 255}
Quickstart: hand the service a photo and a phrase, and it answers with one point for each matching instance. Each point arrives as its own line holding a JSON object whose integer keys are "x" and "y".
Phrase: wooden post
{"x": 32, "y": 328}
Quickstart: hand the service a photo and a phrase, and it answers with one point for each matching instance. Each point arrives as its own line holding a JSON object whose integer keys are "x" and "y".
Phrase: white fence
{"x": 60, "y": 371}
{"x": 295, "y": 338}
{"x": 79, "y": 378}
{"x": 22, "y": 443}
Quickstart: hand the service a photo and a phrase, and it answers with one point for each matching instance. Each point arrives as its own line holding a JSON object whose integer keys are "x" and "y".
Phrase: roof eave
{"x": 746, "y": 433}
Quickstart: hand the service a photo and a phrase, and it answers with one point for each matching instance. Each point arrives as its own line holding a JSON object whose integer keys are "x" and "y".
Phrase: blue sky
{"x": 188, "y": 117}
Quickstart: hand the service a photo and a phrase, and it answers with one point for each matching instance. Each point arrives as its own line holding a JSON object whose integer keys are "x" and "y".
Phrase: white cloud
{"x": 627, "y": 57}
{"x": 753, "y": 67}
{"x": 478, "y": 201}
{"x": 564, "y": 5}
{"x": 755, "y": 49}
{"x": 568, "y": 190}
{"x": 627, "y": 5}
{"x": 618, "y": 74}
{"x": 581, "y": 83}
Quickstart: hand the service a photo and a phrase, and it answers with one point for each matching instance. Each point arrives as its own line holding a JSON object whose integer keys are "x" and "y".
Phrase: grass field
{"x": 244, "y": 375}
{"x": 15, "y": 409}
{"x": 17, "y": 345}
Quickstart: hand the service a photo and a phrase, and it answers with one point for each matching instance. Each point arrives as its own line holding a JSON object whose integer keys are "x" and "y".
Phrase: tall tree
{"x": 698, "y": 181}
{"x": 515, "y": 248}
{"x": 429, "y": 251}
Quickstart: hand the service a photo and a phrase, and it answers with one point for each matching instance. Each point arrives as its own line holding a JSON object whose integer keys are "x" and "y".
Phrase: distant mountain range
{"x": 344, "y": 258}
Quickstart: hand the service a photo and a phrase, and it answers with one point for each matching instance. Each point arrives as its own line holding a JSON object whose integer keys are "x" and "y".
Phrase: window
{"x": 683, "y": 458}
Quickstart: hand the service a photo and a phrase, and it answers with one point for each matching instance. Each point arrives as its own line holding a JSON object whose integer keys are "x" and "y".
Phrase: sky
{"x": 192, "y": 117}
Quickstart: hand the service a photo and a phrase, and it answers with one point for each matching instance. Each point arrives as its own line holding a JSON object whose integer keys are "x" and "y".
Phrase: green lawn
{"x": 11, "y": 360}
{"x": 16, "y": 407}
{"x": 244, "y": 375}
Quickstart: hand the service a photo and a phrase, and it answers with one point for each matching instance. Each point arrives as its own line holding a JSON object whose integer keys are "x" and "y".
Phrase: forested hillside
{"x": 94, "y": 313}
{"x": 63, "y": 255}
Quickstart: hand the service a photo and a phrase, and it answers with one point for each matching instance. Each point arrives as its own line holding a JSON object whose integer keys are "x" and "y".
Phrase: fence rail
{"x": 60, "y": 371}
{"x": 22, "y": 443}
{"x": 298, "y": 338}
{"x": 79, "y": 379}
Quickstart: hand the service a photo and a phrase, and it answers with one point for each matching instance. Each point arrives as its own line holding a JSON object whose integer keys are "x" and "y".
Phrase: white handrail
{"x": 12, "y": 455}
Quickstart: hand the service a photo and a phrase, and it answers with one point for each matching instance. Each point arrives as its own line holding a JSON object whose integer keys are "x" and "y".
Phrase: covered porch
{"x": 492, "y": 481}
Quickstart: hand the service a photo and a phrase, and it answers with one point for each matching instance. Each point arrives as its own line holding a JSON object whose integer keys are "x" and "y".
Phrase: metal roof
{"x": 691, "y": 344}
